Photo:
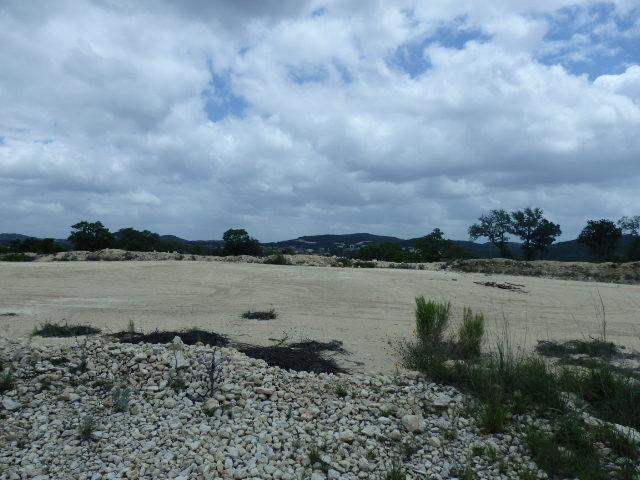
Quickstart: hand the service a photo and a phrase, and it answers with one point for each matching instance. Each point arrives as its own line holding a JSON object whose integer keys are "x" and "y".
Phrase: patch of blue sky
{"x": 411, "y": 58}
{"x": 220, "y": 100}
{"x": 307, "y": 74}
{"x": 319, "y": 12}
{"x": 592, "y": 41}
{"x": 1, "y": 140}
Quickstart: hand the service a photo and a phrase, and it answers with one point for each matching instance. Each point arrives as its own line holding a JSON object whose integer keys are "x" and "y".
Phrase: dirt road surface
{"x": 367, "y": 309}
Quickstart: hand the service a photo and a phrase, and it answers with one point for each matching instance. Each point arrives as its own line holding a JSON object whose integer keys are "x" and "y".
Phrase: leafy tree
{"x": 35, "y": 245}
{"x": 238, "y": 242}
{"x": 91, "y": 236}
{"x": 631, "y": 225}
{"x": 495, "y": 225}
{"x": 601, "y": 237}
{"x": 534, "y": 230}
{"x": 385, "y": 251}
{"x": 431, "y": 247}
{"x": 137, "y": 241}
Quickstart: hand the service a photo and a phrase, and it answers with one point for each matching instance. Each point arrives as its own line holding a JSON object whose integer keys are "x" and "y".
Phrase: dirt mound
{"x": 595, "y": 272}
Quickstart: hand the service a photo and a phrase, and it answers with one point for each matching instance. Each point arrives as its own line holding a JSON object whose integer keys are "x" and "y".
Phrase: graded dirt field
{"x": 367, "y": 309}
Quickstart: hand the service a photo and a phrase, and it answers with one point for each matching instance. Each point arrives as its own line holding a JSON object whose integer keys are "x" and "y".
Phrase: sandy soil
{"x": 367, "y": 309}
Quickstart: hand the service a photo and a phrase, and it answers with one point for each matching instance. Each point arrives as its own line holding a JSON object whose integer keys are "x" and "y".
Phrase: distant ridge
{"x": 346, "y": 244}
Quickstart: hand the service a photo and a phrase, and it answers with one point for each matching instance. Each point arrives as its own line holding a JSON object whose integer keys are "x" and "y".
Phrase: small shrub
{"x": 131, "y": 327}
{"x": 363, "y": 264}
{"x": 340, "y": 390}
{"x": 268, "y": 315}
{"x": 493, "y": 415}
{"x": 470, "y": 334}
{"x": 51, "y": 329}
{"x": 395, "y": 472}
{"x": 178, "y": 383}
{"x": 121, "y": 397}
{"x": 16, "y": 257}
{"x": 277, "y": 259}
{"x": 432, "y": 319}
{"x": 86, "y": 428}
{"x": 7, "y": 380}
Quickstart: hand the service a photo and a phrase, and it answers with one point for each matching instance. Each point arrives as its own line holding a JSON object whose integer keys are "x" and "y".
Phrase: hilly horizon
{"x": 345, "y": 244}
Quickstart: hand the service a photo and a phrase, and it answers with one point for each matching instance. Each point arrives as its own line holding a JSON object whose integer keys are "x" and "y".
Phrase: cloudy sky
{"x": 311, "y": 116}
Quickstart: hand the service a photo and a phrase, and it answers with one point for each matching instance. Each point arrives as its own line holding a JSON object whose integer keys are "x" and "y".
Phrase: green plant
{"x": 7, "y": 380}
{"x": 121, "y": 397}
{"x": 340, "y": 389}
{"x": 371, "y": 454}
{"x": 177, "y": 383}
{"x": 622, "y": 444}
{"x": 16, "y": 257}
{"x": 131, "y": 327}
{"x": 493, "y": 415}
{"x": 569, "y": 451}
{"x": 432, "y": 319}
{"x": 268, "y": 315}
{"x": 395, "y": 472}
{"x": 52, "y": 329}
{"x": 277, "y": 259}
{"x": 363, "y": 264}
{"x": 86, "y": 428}
{"x": 470, "y": 334}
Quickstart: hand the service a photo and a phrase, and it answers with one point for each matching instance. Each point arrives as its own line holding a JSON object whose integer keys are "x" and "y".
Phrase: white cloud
{"x": 105, "y": 115}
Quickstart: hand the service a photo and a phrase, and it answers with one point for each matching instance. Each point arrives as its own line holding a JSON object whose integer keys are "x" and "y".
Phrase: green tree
{"x": 385, "y": 251}
{"x": 601, "y": 237}
{"x": 91, "y": 236}
{"x": 432, "y": 247}
{"x": 137, "y": 241}
{"x": 631, "y": 225}
{"x": 534, "y": 230}
{"x": 495, "y": 225}
{"x": 238, "y": 242}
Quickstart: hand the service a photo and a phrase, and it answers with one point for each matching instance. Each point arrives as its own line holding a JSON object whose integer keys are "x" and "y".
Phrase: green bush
{"x": 470, "y": 334}
{"x": 277, "y": 259}
{"x": 432, "y": 319}
{"x": 16, "y": 257}
{"x": 120, "y": 397}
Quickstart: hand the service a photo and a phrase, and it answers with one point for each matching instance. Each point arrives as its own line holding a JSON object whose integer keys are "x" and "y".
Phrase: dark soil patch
{"x": 188, "y": 337}
{"x": 301, "y": 357}
{"x": 270, "y": 315}
{"x": 59, "y": 330}
{"x": 592, "y": 348}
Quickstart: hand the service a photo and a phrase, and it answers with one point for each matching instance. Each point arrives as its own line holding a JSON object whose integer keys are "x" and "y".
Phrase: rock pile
{"x": 247, "y": 421}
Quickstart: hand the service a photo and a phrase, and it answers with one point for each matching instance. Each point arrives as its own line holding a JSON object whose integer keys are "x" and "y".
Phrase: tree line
{"x": 535, "y": 232}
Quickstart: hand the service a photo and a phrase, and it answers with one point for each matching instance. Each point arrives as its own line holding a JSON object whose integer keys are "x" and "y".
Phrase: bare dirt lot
{"x": 367, "y": 309}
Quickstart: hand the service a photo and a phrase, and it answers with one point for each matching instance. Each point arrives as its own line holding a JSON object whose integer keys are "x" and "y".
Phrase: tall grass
{"x": 432, "y": 319}
{"x": 470, "y": 334}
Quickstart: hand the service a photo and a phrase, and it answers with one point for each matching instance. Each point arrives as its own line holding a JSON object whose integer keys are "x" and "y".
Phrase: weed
{"x": 51, "y": 329}
{"x": 395, "y": 472}
{"x": 268, "y": 315}
{"x": 8, "y": 314}
{"x": 87, "y": 425}
{"x": 314, "y": 455}
{"x": 612, "y": 396}
{"x": 131, "y": 327}
{"x": 121, "y": 397}
{"x": 470, "y": 334}
{"x": 177, "y": 383}
{"x": 567, "y": 452}
{"x": 371, "y": 454}
{"x": 627, "y": 471}
{"x": 340, "y": 389}
{"x": 408, "y": 449}
{"x": 622, "y": 444}
{"x": 105, "y": 385}
{"x": 214, "y": 371}
{"x": 277, "y": 259}
{"x": 385, "y": 413}
{"x": 464, "y": 473}
{"x": 7, "y": 380}
{"x": 363, "y": 264}
{"x": 44, "y": 383}
{"x": 432, "y": 320}
{"x": 16, "y": 257}
{"x": 493, "y": 415}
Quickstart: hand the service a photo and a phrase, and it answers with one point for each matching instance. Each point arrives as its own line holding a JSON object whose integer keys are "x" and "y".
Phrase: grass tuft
{"x": 268, "y": 315}
{"x": 51, "y": 329}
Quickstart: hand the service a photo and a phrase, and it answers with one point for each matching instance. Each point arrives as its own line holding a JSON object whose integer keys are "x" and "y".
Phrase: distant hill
{"x": 347, "y": 244}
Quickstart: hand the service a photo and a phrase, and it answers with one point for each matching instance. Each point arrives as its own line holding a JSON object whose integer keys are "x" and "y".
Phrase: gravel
{"x": 257, "y": 422}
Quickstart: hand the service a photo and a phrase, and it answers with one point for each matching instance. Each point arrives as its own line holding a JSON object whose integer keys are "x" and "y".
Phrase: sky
{"x": 303, "y": 117}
